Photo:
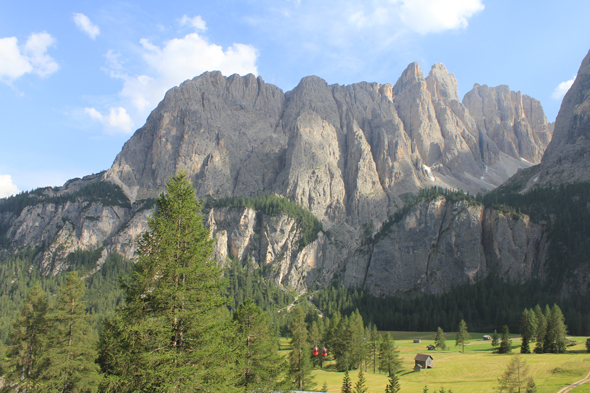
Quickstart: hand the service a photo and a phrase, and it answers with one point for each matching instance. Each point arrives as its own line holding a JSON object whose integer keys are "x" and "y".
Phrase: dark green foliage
{"x": 29, "y": 336}
{"x": 71, "y": 355}
{"x": 486, "y": 305}
{"x": 105, "y": 192}
{"x": 393, "y": 385}
{"x": 440, "y": 339}
{"x": 506, "y": 342}
{"x": 248, "y": 281}
{"x": 389, "y": 360}
{"x": 260, "y": 366}
{"x": 300, "y": 357}
{"x": 348, "y": 344}
{"x": 361, "y": 383}
{"x": 528, "y": 329}
{"x": 346, "y": 384}
{"x": 565, "y": 209}
{"x": 555, "y": 337}
{"x": 271, "y": 204}
{"x": 18, "y": 274}
{"x": 495, "y": 339}
{"x": 462, "y": 336}
{"x": 173, "y": 333}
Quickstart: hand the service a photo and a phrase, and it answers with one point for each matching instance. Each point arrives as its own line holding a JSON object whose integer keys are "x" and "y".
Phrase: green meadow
{"x": 476, "y": 370}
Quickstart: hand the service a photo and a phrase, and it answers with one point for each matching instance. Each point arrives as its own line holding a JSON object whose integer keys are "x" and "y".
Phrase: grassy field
{"x": 476, "y": 370}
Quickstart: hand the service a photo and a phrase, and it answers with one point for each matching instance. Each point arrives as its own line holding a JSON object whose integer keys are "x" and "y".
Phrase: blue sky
{"x": 77, "y": 78}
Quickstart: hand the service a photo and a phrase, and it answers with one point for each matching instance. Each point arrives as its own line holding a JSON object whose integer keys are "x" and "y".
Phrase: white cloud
{"x": 7, "y": 188}
{"x": 562, "y": 88}
{"x": 167, "y": 66}
{"x": 86, "y": 25}
{"x": 197, "y": 22}
{"x": 434, "y": 16}
{"x": 16, "y": 61}
{"x": 117, "y": 120}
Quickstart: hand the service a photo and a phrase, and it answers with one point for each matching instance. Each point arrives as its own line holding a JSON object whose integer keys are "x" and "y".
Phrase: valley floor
{"x": 477, "y": 370}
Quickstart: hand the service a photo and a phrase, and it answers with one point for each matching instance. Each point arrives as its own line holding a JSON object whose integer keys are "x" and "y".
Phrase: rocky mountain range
{"x": 353, "y": 155}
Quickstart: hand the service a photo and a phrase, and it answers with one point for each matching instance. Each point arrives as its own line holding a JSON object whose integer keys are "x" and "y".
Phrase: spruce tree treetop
{"x": 174, "y": 333}
{"x": 463, "y": 335}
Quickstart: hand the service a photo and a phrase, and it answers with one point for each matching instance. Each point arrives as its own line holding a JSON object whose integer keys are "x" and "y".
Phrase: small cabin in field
{"x": 422, "y": 361}
{"x": 417, "y": 340}
{"x": 487, "y": 337}
{"x": 431, "y": 347}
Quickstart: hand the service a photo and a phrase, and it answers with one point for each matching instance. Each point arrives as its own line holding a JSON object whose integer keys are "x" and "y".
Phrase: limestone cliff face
{"x": 440, "y": 244}
{"x": 347, "y": 153}
{"x": 344, "y": 152}
{"x": 514, "y": 121}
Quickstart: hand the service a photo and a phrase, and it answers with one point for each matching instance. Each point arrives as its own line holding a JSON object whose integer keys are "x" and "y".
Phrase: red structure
{"x": 315, "y": 352}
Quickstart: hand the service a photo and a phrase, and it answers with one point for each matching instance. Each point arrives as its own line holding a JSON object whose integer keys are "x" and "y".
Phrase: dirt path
{"x": 575, "y": 384}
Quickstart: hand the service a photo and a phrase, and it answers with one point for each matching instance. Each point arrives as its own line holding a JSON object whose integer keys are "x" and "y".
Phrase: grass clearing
{"x": 476, "y": 370}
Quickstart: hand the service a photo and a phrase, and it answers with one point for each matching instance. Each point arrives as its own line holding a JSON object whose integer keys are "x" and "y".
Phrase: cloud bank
{"x": 85, "y": 25}
{"x": 7, "y": 188}
{"x": 17, "y": 60}
{"x": 166, "y": 66}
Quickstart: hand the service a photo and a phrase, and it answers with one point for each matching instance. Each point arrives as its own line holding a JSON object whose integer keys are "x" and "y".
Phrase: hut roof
{"x": 422, "y": 357}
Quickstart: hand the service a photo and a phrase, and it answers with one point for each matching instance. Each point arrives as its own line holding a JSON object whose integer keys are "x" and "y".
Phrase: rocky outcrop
{"x": 441, "y": 244}
{"x": 349, "y": 154}
{"x": 514, "y": 121}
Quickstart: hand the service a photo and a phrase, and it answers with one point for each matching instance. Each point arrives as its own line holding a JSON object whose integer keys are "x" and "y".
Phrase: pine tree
{"x": 325, "y": 387}
{"x": 515, "y": 377}
{"x": 393, "y": 385}
{"x": 346, "y": 384}
{"x": 555, "y": 338}
{"x": 389, "y": 360}
{"x": 259, "y": 363}
{"x": 541, "y": 329}
{"x": 72, "y": 367}
{"x": 528, "y": 322}
{"x": 462, "y": 336}
{"x": 360, "y": 386}
{"x": 29, "y": 337}
{"x": 506, "y": 342}
{"x": 374, "y": 347}
{"x": 300, "y": 357}
{"x": 440, "y": 339}
{"x": 174, "y": 332}
{"x": 495, "y": 339}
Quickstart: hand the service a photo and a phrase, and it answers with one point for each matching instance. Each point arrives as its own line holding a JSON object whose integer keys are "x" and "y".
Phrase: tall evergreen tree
{"x": 506, "y": 342}
{"x": 300, "y": 357}
{"x": 541, "y": 329}
{"x": 393, "y": 385}
{"x": 29, "y": 337}
{"x": 259, "y": 363}
{"x": 495, "y": 339}
{"x": 174, "y": 333}
{"x": 72, "y": 366}
{"x": 389, "y": 360}
{"x": 361, "y": 383}
{"x": 516, "y": 376}
{"x": 373, "y": 347}
{"x": 440, "y": 339}
{"x": 462, "y": 335}
{"x": 555, "y": 338}
{"x": 346, "y": 384}
{"x": 528, "y": 325}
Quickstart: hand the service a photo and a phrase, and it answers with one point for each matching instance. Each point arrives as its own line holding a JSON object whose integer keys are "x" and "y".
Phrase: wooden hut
{"x": 417, "y": 340}
{"x": 422, "y": 361}
{"x": 487, "y": 337}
